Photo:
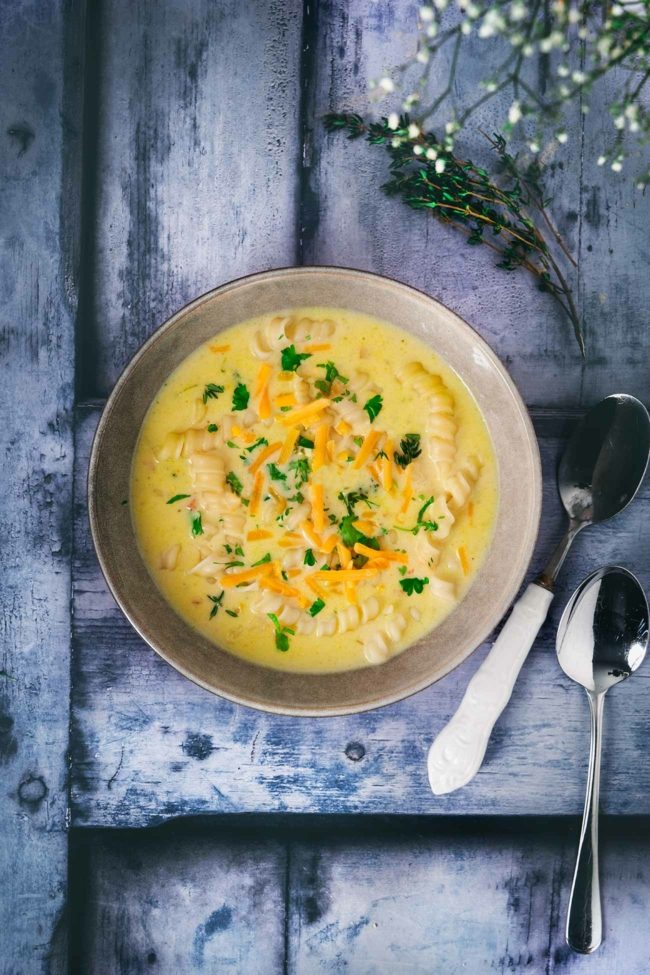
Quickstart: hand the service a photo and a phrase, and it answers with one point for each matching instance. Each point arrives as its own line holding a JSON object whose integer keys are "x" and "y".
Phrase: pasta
{"x": 310, "y": 506}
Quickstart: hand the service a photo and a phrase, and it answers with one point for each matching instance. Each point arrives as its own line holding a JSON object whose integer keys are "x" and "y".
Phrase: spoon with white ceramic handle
{"x": 600, "y": 473}
{"x": 601, "y": 640}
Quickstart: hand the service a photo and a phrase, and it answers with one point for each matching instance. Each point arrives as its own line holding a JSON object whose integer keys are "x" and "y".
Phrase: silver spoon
{"x": 601, "y": 640}
{"x": 600, "y": 472}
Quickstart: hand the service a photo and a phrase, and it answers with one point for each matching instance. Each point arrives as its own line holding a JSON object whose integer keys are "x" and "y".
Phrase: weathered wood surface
{"x": 603, "y": 218}
{"x": 195, "y": 153}
{"x": 383, "y": 899}
{"x": 38, "y": 146}
{"x": 180, "y": 905}
{"x": 149, "y": 745}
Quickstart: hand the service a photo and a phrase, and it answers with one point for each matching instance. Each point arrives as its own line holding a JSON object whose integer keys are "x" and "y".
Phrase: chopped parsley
{"x": 305, "y": 442}
{"x": 239, "y": 550}
{"x": 275, "y": 473}
{"x": 178, "y": 497}
{"x": 421, "y": 522}
{"x": 373, "y": 406}
{"x": 216, "y": 604}
{"x": 231, "y": 612}
{"x": 258, "y": 443}
{"x": 301, "y": 469}
{"x": 292, "y": 359}
{"x": 212, "y": 427}
{"x": 351, "y": 535}
{"x": 212, "y": 391}
{"x": 197, "y": 524}
{"x": 331, "y": 373}
{"x": 316, "y": 607}
{"x": 240, "y": 397}
{"x": 265, "y": 558}
{"x": 234, "y": 482}
{"x": 354, "y": 497}
{"x": 310, "y": 558}
{"x": 358, "y": 441}
{"x": 282, "y": 633}
{"x": 410, "y": 449}
{"x": 413, "y": 585}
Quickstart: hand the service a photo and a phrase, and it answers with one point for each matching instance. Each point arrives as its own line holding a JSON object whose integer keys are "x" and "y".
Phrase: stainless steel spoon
{"x": 601, "y": 471}
{"x": 601, "y": 640}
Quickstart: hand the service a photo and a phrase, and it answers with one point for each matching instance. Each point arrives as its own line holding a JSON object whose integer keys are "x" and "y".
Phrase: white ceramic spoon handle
{"x": 456, "y": 755}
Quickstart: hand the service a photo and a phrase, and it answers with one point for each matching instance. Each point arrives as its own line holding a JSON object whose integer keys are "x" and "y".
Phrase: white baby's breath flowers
{"x": 601, "y": 160}
{"x": 562, "y": 137}
{"x": 466, "y": 28}
{"x": 563, "y": 71}
{"x": 396, "y": 142}
{"x": 422, "y": 56}
{"x": 514, "y": 113}
{"x": 619, "y": 122}
{"x": 432, "y": 30}
{"x": 440, "y": 166}
{"x": 387, "y": 85}
{"x": 440, "y": 4}
{"x": 426, "y": 14}
{"x": 517, "y": 11}
{"x": 418, "y": 150}
{"x": 431, "y": 153}
{"x": 413, "y": 131}
{"x": 393, "y": 121}
{"x": 617, "y": 166}
{"x": 579, "y": 77}
{"x": 534, "y": 146}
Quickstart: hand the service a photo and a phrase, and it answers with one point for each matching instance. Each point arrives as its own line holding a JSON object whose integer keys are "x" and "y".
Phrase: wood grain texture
{"x": 347, "y": 221}
{"x": 38, "y": 144}
{"x": 461, "y": 903}
{"x": 148, "y": 745}
{"x": 196, "y": 160}
{"x": 365, "y": 897}
{"x": 172, "y": 905}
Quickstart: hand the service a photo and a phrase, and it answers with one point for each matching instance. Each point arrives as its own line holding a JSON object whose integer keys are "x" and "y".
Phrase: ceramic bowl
{"x": 431, "y": 657}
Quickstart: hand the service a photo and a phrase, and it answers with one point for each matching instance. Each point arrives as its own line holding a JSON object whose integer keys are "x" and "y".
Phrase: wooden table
{"x": 152, "y": 152}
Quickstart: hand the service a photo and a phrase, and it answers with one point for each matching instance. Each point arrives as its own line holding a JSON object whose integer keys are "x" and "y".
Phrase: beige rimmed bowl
{"x": 431, "y": 657}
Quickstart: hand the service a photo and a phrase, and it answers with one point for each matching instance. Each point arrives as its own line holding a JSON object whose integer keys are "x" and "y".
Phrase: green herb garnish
{"x": 258, "y": 443}
{"x": 410, "y": 449}
{"x": 212, "y": 391}
{"x": 239, "y": 550}
{"x": 212, "y": 427}
{"x": 302, "y": 470}
{"x": 197, "y": 524}
{"x": 413, "y": 585}
{"x": 316, "y": 607}
{"x": 310, "y": 558}
{"x": 292, "y": 359}
{"x": 373, "y": 406}
{"x": 178, "y": 497}
{"x": 282, "y": 633}
{"x": 265, "y": 558}
{"x": 231, "y": 612}
{"x": 275, "y": 473}
{"x": 331, "y": 373}
{"x": 216, "y": 601}
{"x": 234, "y": 482}
{"x": 240, "y": 397}
{"x": 305, "y": 442}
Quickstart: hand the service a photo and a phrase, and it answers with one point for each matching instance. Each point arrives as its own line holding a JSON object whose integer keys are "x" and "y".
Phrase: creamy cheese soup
{"x": 314, "y": 490}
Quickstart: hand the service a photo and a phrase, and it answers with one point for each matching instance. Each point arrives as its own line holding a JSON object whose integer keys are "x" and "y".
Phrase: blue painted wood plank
{"x": 196, "y": 160}
{"x": 461, "y": 903}
{"x": 349, "y": 221}
{"x": 149, "y": 745}
{"x": 173, "y": 905}
{"x": 38, "y": 201}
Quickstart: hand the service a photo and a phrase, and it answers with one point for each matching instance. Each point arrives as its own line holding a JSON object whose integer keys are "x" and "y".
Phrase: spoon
{"x": 600, "y": 472}
{"x": 601, "y": 640}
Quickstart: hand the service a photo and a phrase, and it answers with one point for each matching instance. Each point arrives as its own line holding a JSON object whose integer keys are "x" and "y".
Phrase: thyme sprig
{"x": 497, "y": 211}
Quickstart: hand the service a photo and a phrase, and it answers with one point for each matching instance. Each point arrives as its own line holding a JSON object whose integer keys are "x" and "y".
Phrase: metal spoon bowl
{"x": 602, "y": 639}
